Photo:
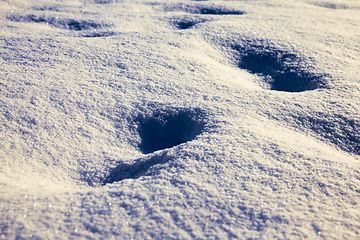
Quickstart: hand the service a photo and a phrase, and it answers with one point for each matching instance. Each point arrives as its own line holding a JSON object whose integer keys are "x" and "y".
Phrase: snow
{"x": 179, "y": 119}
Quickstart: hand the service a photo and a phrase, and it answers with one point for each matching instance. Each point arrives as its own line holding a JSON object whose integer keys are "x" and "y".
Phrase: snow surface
{"x": 179, "y": 119}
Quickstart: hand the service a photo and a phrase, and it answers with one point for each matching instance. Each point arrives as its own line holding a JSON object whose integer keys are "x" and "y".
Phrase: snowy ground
{"x": 179, "y": 119}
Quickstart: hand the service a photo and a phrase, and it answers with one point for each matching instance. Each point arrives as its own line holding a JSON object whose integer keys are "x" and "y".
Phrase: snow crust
{"x": 184, "y": 119}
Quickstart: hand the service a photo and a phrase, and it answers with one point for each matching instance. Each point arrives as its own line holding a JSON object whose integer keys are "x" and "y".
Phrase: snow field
{"x": 179, "y": 120}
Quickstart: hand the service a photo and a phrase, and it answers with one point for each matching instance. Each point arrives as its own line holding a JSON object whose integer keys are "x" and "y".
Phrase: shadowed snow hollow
{"x": 165, "y": 129}
{"x": 284, "y": 71}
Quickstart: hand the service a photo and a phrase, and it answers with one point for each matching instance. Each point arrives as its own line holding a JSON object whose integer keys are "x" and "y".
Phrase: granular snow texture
{"x": 124, "y": 119}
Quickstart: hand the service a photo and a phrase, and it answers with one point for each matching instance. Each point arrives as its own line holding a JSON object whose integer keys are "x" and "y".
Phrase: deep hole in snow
{"x": 203, "y": 9}
{"x": 162, "y": 129}
{"x": 52, "y": 8}
{"x": 332, "y": 5}
{"x": 81, "y": 25}
{"x": 72, "y": 24}
{"x": 341, "y": 130}
{"x": 165, "y": 129}
{"x": 139, "y": 168}
{"x": 99, "y": 34}
{"x": 187, "y": 22}
{"x": 220, "y": 11}
{"x": 104, "y": 1}
{"x": 283, "y": 71}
